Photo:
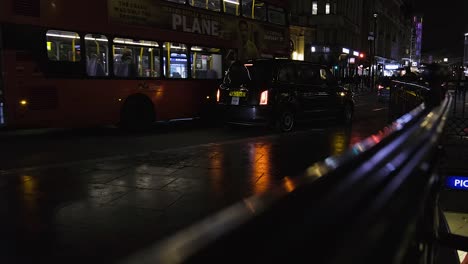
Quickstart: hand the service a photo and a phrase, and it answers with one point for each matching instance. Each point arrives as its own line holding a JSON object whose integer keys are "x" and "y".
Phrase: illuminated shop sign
{"x": 392, "y": 66}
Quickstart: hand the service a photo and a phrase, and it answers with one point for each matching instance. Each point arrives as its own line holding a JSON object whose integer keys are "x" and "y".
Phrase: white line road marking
{"x": 378, "y": 109}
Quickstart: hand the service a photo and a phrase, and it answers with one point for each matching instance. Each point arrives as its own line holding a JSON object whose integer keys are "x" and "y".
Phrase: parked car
{"x": 383, "y": 89}
{"x": 279, "y": 92}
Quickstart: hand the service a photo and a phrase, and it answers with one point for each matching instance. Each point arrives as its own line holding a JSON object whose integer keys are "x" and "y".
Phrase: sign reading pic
{"x": 457, "y": 182}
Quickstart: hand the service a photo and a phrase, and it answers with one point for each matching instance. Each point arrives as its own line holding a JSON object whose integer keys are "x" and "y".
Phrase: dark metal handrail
{"x": 373, "y": 204}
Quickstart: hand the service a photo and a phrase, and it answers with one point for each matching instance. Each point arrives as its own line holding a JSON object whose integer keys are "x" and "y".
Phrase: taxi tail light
{"x": 264, "y": 98}
{"x": 218, "y": 94}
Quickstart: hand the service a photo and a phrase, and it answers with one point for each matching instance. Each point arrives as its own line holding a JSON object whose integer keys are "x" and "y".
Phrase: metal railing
{"x": 457, "y": 126}
{"x": 375, "y": 203}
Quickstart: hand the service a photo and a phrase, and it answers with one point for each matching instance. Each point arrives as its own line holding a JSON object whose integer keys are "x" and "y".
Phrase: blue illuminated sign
{"x": 457, "y": 182}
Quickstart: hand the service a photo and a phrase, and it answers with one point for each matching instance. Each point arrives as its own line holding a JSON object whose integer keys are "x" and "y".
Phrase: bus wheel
{"x": 137, "y": 113}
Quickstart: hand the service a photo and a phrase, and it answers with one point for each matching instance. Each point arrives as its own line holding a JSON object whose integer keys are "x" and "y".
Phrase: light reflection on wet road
{"x": 104, "y": 210}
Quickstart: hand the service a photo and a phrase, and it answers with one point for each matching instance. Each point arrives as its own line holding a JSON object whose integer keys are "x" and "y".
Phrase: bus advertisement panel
{"x": 252, "y": 38}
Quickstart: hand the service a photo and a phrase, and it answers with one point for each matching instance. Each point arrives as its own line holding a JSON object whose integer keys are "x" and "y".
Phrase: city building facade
{"x": 389, "y": 40}
{"x": 328, "y": 32}
{"x": 364, "y": 37}
{"x": 465, "y": 57}
{"x": 465, "y": 54}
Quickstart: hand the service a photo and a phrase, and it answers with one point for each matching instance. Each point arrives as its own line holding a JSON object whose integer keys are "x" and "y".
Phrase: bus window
{"x": 276, "y": 15}
{"x": 136, "y": 58}
{"x": 206, "y": 4}
{"x": 206, "y": 63}
{"x": 231, "y": 7}
{"x": 97, "y": 55}
{"x": 176, "y": 66}
{"x": 257, "y": 11}
{"x": 63, "y": 46}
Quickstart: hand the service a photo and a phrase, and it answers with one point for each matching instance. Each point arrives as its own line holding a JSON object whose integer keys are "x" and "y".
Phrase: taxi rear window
{"x": 243, "y": 73}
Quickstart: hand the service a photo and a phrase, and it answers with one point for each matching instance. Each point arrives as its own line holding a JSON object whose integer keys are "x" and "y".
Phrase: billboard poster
{"x": 253, "y": 39}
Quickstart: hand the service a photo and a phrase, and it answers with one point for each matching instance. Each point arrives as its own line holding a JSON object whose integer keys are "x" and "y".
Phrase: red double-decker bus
{"x": 128, "y": 62}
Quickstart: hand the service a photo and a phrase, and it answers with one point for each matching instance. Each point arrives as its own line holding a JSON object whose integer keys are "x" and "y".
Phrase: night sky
{"x": 444, "y": 25}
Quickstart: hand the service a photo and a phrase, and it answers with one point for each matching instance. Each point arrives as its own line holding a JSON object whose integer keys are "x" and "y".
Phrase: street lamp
{"x": 373, "y": 60}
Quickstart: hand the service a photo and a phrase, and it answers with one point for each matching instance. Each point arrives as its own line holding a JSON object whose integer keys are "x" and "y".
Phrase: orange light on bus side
{"x": 264, "y": 98}
{"x": 23, "y": 102}
{"x": 218, "y": 94}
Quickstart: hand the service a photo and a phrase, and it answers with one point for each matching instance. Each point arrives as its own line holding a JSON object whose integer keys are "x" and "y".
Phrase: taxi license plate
{"x": 235, "y": 101}
{"x": 237, "y": 94}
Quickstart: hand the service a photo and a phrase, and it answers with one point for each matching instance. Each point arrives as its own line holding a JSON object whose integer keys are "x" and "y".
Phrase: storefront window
{"x": 176, "y": 66}
{"x": 97, "y": 55}
{"x": 254, "y": 9}
{"x": 136, "y": 58}
{"x": 206, "y": 4}
{"x": 314, "y": 7}
{"x": 231, "y": 7}
{"x": 63, "y": 46}
{"x": 276, "y": 15}
{"x": 206, "y": 63}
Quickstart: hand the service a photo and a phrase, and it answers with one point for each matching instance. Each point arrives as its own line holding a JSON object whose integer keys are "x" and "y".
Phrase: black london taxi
{"x": 383, "y": 89}
{"x": 279, "y": 92}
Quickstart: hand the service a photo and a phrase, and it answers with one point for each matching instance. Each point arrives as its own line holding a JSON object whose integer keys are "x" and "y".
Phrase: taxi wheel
{"x": 286, "y": 121}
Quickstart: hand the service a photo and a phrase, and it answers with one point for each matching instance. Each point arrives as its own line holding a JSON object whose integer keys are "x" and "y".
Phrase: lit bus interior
{"x": 134, "y": 58}
{"x": 177, "y": 65}
{"x": 206, "y": 63}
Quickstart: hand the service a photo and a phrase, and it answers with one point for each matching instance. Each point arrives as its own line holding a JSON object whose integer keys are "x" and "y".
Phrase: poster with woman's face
{"x": 249, "y": 40}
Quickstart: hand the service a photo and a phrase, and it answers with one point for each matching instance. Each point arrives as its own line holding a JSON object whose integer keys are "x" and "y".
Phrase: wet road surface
{"x": 63, "y": 202}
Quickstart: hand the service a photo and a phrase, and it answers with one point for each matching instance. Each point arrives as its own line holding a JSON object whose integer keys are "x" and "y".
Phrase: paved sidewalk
{"x": 102, "y": 212}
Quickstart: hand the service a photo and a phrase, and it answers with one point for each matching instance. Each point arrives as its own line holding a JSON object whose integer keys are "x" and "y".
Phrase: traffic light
{"x": 336, "y": 67}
